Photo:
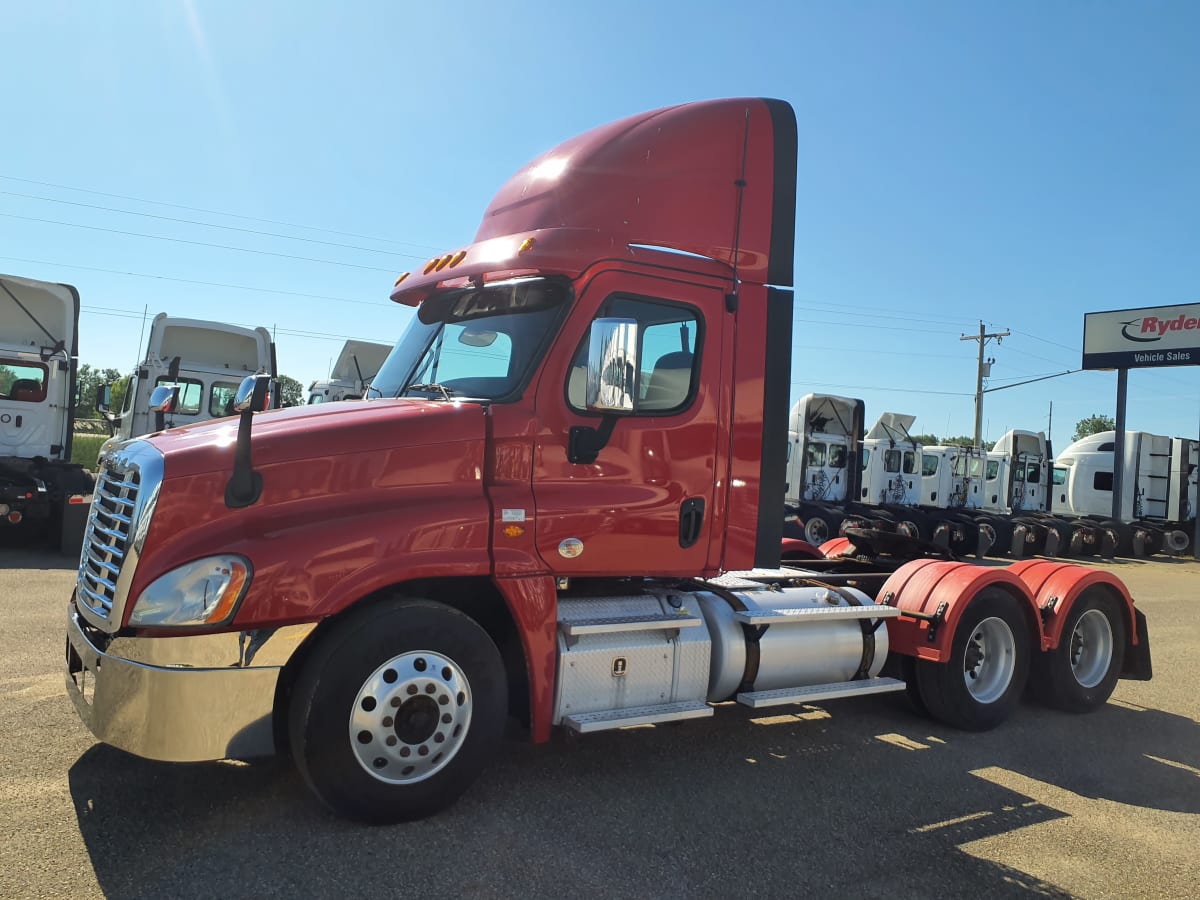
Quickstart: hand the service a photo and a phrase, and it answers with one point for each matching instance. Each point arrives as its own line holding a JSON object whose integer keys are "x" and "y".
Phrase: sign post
{"x": 1147, "y": 338}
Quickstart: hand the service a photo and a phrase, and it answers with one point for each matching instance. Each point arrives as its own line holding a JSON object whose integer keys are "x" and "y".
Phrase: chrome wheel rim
{"x": 410, "y": 717}
{"x": 1091, "y": 648}
{"x": 816, "y": 532}
{"x": 989, "y": 660}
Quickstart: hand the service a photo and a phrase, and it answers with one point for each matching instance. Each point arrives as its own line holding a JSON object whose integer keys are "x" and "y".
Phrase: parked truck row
{"x": 562, "y": 500}
{"x": 1015, "y": 499}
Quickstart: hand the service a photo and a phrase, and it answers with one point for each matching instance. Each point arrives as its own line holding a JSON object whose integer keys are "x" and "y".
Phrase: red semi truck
{"x": 562, "y": 502}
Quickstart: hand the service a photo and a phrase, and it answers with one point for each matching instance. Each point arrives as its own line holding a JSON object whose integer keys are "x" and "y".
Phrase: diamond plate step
{"x": 814, "y": 614}
{"x": 816, "y": 692}
{"x": 638, "y": 715}
{"x": 632, "y": 623}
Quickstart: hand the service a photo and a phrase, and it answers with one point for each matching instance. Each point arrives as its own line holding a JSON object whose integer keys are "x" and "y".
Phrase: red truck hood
{"x": 299, "y": 433}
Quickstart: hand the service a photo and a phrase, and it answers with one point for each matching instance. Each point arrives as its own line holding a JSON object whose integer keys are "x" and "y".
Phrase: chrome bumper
{"x": 180, "y": 699}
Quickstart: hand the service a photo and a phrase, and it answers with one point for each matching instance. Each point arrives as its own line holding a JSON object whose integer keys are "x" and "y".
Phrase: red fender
{"x": 925, "y": 584}
{"x": 795, "y": 548}
{"x": 838, "y": 546}
{"x": 1057, "y": 585}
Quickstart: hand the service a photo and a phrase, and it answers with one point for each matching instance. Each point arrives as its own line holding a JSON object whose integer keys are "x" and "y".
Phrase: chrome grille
{"x": 126, "y": 491}
{"x": 107, "y": 539}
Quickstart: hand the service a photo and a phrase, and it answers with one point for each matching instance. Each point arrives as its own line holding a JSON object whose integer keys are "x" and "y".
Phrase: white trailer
{"x": 205, "y": 360}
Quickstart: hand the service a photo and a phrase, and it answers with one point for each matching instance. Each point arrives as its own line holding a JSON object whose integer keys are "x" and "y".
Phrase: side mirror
{"x": 164, "y": 399}
{"x": 103, "y": 397}
{"x": 612, "y": 367}
{"x": 253, "y": 394}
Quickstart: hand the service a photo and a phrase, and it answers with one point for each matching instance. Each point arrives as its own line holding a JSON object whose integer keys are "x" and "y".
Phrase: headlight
{"x": 204, "y": 592}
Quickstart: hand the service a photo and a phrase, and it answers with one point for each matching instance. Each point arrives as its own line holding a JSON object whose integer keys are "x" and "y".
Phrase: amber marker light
{"x": 401, "y": 278}
{"x": 526, "y": 245}
{"x": 458, "y": 257}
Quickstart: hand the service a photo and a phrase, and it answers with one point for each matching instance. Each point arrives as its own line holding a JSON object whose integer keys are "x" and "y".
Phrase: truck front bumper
{"x": 179, "y": 699}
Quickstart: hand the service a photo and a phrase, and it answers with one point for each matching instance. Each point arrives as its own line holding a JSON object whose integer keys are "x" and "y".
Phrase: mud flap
{"x": 1108, "y": 544}
{"x": 1137, "y": 657}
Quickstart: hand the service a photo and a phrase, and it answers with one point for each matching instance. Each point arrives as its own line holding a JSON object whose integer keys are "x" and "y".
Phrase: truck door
{"x": 646, "y": 503}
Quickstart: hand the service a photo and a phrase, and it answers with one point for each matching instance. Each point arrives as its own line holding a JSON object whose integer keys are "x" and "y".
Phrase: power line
{"x": 214, "y": 212}
{"x": 220, "y": 284}
{"x": 273, "y": 234}
{"x": 159, "y": 237}
{"x": 861, "y": 387}
{"x": 876, "y": 327}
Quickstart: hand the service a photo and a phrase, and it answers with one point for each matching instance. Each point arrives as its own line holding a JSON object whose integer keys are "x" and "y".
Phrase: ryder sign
{"x": 1141, "y": 338}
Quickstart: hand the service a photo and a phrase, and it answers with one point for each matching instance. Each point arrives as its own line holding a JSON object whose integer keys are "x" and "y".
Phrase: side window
{"x": 929, "y": 464}
{"x": 668, "y": 347}
{"x": 993, "y": 469}
{"x": 866, "y": 457}
{"x": 1034, "y": 475}
{"x": 1102, "y": 481}
{"x": 190, "y": 392}
{"x": 816, "y": 454}
{"x": 910, "y": 462}
{"x": 891, "y": 460}
{"x": 220, "y": 401}
{"x": 1060, "y": 476}
{"x": 837, "y": 456}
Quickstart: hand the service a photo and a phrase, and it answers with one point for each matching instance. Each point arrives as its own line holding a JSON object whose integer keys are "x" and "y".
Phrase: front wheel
{"x": 1080, "y": 674}
{"x": 396, "y": 711}
{"x": 981, "y": 683}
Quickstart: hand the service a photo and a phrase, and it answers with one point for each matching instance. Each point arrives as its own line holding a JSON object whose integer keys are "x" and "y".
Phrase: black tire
{"x": 996, "y": 680}
{"x": 1080, "y": 674}
{"x": 459, "y": 704}
{"x": 912, "y": 690}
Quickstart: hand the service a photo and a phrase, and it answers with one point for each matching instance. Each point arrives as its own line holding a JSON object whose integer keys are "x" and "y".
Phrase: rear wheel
{"x": 396, "y": 711}
{"x": 981, "y": 683}
{"x": 1080, "y": 674}
{"x": 820, "y": 525}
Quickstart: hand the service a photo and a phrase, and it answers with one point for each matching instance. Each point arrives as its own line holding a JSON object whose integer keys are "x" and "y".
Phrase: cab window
{"x": 190, "y": 392}
{"x": 220, "y": 401}
{"x": 816, "y": 454}
{"x": 22, "y": 382}
{"x": 993, "y": 469}
{"x": 837, "y": 456}
{"x": 929, "y": 464}
{"x": 910, "y": 462}
{"x": 668, "y": 347}
{"x": 891, "y": 460}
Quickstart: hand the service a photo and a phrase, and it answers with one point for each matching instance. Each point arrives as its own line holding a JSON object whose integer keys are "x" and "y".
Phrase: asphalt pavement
{"x": 853, "y": 798}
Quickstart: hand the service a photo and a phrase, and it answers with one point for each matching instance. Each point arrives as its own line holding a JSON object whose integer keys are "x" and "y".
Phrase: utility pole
{"x": 984, "y": 369}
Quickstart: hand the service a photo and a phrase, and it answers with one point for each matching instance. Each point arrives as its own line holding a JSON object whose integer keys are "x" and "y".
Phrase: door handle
{"x": 691, "y": 521}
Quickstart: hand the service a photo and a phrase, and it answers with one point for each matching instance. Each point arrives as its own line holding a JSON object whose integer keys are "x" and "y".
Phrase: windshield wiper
{"x": 431, "y": 387}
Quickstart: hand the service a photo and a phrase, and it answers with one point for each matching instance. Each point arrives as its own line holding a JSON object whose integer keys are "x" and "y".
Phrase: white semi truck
{"x": 40, "y": 488}
{"x": 356, "y": 365}
{"x": 205, "y": 360}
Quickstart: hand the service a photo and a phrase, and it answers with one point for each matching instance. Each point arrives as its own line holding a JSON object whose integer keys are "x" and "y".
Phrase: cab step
{"x": 817, "y": 692}
{"x": 805, "y": 614}
{"x": 638, "y": 715}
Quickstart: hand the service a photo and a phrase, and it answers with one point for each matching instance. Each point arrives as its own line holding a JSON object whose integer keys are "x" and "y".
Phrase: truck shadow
{"x": 861, "y": 800}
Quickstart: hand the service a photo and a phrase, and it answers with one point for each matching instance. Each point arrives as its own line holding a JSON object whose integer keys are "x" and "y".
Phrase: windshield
{"x": 477, "y": 343}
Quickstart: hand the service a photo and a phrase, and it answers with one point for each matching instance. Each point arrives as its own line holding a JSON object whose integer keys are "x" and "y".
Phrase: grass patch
{"x": 85, "y": 448}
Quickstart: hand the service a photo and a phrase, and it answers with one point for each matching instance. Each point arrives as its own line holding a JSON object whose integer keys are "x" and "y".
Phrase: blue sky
{"x": 1017, "y": 163}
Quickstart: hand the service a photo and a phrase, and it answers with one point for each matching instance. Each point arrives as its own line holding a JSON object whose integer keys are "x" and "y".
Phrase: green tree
{"x": 926, "y": 440}
{"x": 1093, "y": 425}
{"x": 965, "y": 440}
{"x": 88, "y": 378}
{"x": 291, "y": 392}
